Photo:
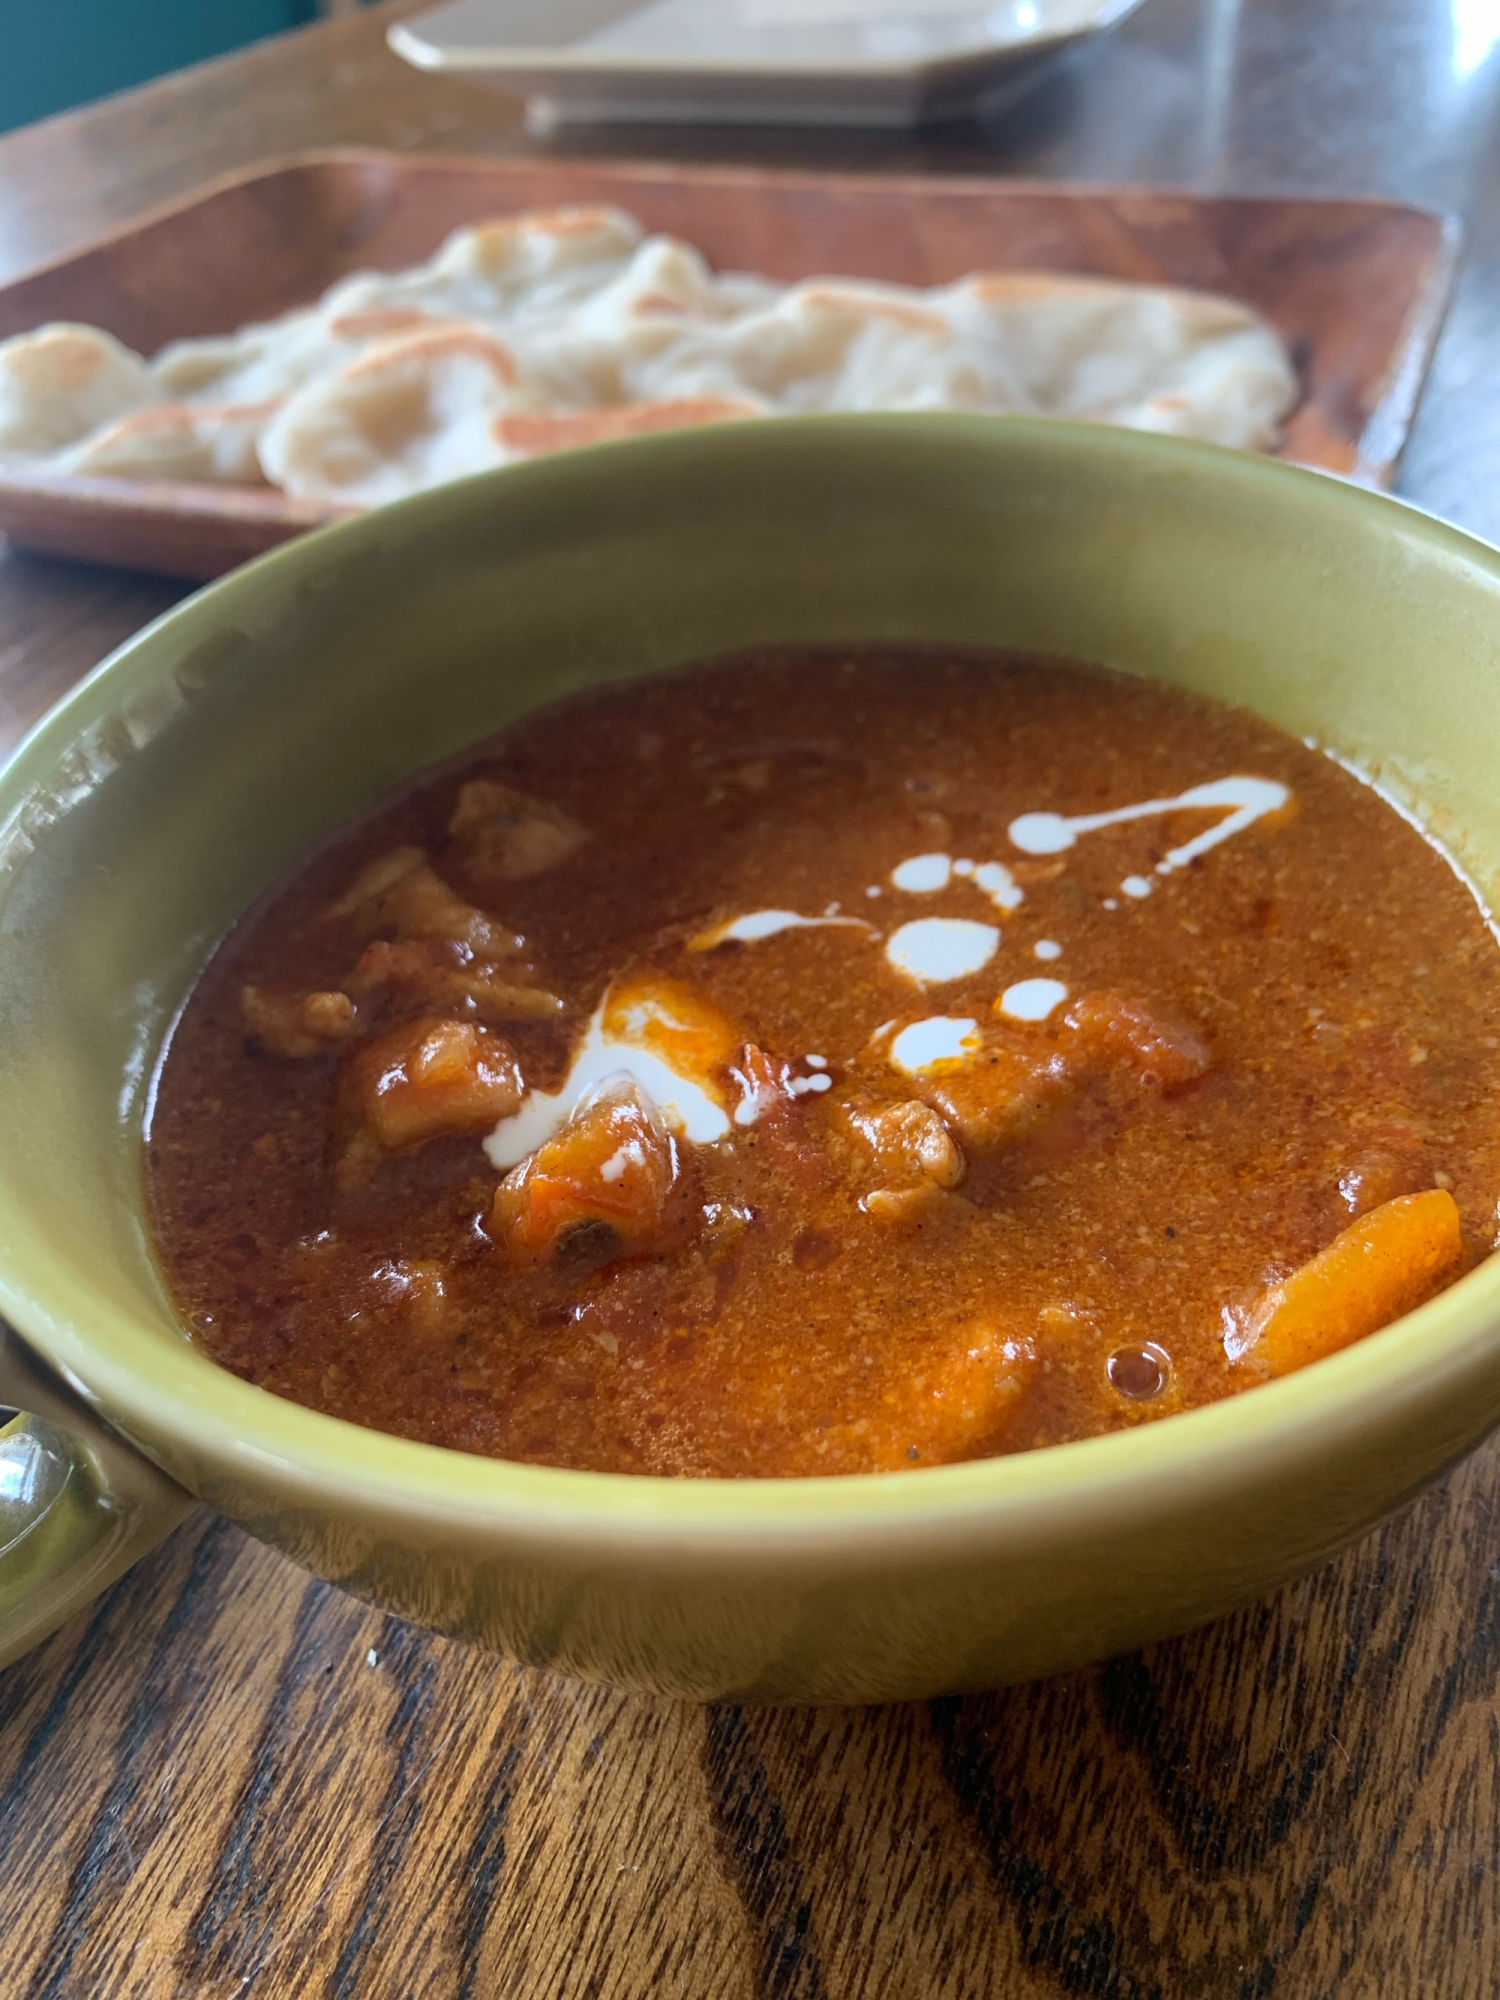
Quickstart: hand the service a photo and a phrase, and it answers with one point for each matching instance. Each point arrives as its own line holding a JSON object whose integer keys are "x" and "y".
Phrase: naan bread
{"x": 408, "y": 413}
{"x": 1148, "y": 357}
{"x": 1144, "y": 356}
{"x": 816, "y": 347}
{"x": 266, "y": 363}
{"x": 208, "y": 443}
{"x": 536, "y": 331}
{"x": 652, "y": 305}
{"x": 63, "y": 381}
{"x": 533, "y": 433}
{"x": 525, "y": 267}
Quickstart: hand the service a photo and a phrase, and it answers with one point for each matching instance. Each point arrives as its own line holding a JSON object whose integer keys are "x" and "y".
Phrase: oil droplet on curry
{"x": 668, "y": 1085}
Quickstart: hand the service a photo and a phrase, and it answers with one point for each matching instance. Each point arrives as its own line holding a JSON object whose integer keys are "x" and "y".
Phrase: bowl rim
{"x": 138, "y": 1381}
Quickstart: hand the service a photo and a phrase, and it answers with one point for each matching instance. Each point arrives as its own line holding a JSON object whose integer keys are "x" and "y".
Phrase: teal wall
{"x": 57, "y": 53}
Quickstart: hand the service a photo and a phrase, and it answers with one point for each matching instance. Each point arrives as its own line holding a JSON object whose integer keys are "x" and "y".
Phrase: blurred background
{"x": 58, "y": 53}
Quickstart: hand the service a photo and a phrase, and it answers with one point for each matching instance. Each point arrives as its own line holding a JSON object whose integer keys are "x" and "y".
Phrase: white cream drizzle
{"x": 928, "y": 950}
{"x": 755, "y": 925}
{"x": 758, "y": 1098}
{"x": 927, "y": 874}
{"x": 754, "y": 1099}
{"x": 1245, "y": 799}
{"x": 686, "y": 1108}
{"x": 941, "y": 1038}
{"x": 922, "y": 874}
{"x": 933, "y": 950}
{"x": 1032, "y": 999}
{"x": 997, "y": 882}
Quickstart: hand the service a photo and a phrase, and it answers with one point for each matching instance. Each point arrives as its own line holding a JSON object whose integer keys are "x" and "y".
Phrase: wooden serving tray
{"x": 1358, "y": 290}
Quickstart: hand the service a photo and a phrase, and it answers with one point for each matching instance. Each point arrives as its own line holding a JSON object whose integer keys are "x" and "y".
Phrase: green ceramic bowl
{"x": 156, "y": 801}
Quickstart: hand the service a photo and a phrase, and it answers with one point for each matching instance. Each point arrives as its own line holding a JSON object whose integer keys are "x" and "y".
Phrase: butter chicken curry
{"x": 832, "y": 1062}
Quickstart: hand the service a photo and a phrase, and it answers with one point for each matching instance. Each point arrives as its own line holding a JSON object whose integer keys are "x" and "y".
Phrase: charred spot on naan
{"x": 531, "y": 433}
{"x": 216, "y": 443}
{"x": 406, "y": 412}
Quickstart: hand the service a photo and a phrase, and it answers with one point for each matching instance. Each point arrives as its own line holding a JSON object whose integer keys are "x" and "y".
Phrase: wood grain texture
{"x": 207, "y": 1789}
{"x": 227, "y": 1774}
{"x": 1356, "y": 290}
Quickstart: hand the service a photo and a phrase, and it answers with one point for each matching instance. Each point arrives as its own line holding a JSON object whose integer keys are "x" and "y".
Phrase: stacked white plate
{"x": 787, "y": 62}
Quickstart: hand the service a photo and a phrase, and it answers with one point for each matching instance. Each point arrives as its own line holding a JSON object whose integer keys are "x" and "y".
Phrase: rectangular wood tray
{"x": 1358, "y": 290}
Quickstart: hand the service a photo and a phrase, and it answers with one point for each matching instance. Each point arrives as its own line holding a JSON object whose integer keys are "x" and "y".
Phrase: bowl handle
{"x": 77, "y": 1504}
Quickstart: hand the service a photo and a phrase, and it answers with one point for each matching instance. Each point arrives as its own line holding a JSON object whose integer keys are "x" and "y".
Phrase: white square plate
{"x": 782, "y": 62}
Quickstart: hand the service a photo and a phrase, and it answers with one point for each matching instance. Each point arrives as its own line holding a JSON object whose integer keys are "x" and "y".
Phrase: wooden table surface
{"x": 228, "y": 1778}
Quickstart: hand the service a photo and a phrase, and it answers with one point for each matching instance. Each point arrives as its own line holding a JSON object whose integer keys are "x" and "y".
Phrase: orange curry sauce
{"x": 1255, "y": 1116}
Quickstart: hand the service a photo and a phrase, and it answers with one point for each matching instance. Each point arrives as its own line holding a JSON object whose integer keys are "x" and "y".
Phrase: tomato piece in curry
{"x": 833, "y": 1061}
